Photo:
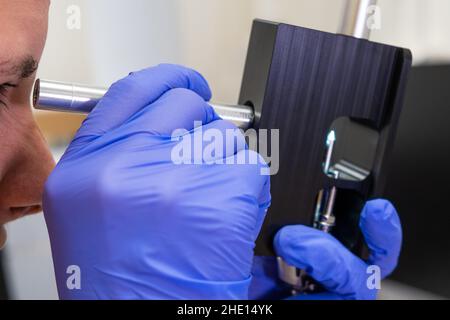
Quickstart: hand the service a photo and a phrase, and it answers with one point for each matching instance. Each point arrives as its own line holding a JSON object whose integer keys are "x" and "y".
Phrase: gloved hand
{"x": 344, "y": 275}
{"x": 135, "y": 224}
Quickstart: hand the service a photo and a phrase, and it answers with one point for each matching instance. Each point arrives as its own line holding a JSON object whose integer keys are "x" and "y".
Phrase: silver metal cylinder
{"x": 354, "y": 22}
{"x": 68, "y": 97}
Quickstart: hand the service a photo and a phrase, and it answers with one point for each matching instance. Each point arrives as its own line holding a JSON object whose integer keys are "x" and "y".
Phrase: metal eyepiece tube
{"x": 68, "y": 97}
{"x": 354, "y": 22}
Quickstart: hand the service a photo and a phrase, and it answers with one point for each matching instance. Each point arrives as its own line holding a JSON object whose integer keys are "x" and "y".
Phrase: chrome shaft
{"x": 354, "y": 22}
{"x": 68, "y": 97}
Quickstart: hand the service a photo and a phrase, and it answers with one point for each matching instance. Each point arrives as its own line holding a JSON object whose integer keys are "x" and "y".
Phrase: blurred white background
{"x": 211, "y": 36}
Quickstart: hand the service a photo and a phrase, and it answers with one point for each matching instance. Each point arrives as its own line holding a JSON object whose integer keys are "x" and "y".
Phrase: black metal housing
{"x": 299, "y": 81}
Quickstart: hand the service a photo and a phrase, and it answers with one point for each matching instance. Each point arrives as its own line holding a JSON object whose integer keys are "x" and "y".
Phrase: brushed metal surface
{"x": 77, "y": 98}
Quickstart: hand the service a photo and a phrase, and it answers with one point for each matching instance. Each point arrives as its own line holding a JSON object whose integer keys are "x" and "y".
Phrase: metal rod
{"x": 331, "y": 139}
{"x": 68, "y": 97}
{"x": 331, "y": 202}
{"x": 355, "y": 16}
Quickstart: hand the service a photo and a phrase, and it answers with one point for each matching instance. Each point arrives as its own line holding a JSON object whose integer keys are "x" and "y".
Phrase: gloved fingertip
{"x": 279, "y": 241}
{"x": 380, "y": 216}
{"x": 287, "y": 242}
{"x": 196, "y": 81}
{"x": 382, "y": 230}
{"x": 211, "y": 114}
{"x": 200, "y": 86}
{"x": 379, "y": 209}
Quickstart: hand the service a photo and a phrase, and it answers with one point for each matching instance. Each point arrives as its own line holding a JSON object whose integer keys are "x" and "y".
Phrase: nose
{"x": 19, "y": 212}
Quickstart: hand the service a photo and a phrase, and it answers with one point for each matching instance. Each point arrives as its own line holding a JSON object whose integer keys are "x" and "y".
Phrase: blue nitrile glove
{"x": 344, "y": 275}
{"x": 135, "y": 224}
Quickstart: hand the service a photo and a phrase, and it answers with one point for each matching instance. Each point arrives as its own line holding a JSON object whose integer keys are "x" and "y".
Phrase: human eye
{"x": 4, "y": 88}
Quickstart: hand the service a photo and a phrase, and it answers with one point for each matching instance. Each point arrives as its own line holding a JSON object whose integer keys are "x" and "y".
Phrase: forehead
{"x": 23, "y": 29}
{"x": 11, "y": 57}
{"x": 16, "y": 48}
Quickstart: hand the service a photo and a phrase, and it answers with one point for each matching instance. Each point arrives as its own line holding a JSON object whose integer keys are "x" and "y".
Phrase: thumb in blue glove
{"x": 324, "y": 258}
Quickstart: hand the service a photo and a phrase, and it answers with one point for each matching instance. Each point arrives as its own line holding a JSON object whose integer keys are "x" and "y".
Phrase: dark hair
{"x": 28, "y": 67}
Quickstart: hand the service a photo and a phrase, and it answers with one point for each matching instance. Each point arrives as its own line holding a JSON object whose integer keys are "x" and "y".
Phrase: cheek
{"x": 25, "y": 162}
{"x": 9, "y": 139}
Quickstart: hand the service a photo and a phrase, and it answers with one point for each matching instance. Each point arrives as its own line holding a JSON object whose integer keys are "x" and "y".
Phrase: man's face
{"x": 25, "y": 161}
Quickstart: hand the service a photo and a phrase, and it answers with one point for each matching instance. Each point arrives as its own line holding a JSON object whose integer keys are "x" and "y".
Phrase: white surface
{"x": 392, "y": 290}
{"x": 28, "y": 261}
{"x": 117, "y": 36}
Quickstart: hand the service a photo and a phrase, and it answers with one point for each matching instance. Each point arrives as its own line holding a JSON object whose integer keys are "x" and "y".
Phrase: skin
{"x": 25, "y": 159}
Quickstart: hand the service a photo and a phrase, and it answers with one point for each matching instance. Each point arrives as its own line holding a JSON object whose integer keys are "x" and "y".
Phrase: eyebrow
{"x": 23, "y": 69}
